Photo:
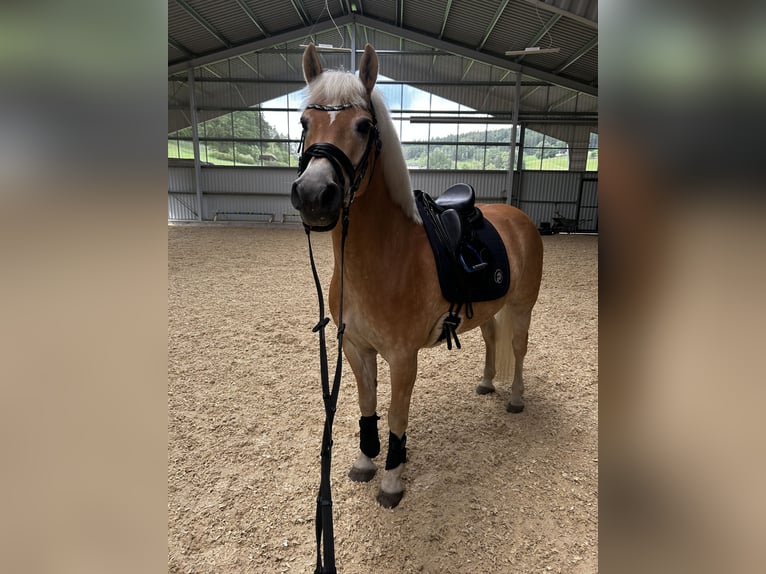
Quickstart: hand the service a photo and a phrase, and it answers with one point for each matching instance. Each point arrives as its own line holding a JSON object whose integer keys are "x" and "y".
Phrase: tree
{"x": 440, "y": 160}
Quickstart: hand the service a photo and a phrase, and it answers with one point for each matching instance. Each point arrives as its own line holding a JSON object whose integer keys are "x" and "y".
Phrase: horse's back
{"x": 523, "y": 245}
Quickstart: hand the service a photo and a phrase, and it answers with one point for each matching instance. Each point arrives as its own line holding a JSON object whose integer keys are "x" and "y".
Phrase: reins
{"x": 342, "y": 167}
{"x": 323, "y": 519}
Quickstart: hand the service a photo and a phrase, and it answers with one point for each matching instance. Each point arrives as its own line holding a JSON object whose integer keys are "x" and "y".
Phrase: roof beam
{"x": 493, "y": 23}
{"x": 577, "y": 55}
{"x": 260, "y": 44}
{"x": 399, "y": 12}
{"x": 529, "y": 93}
{"x": 212, "y": 71}
{"x": 444, "y": 21}
{"x": 480, "y": 56}
{"x": 543, "y": 31}
{"x": 387, "y": 28}
{"x": 566, "y": 13}
{"x": 426, "y": 83}
{"x": 246, "y": 63}
{"x": 250, "y": 14}
{"x": 467, "y": 69}
{"x": 301, "y": 10}
{"x": 203, "y": 22}
{"x": 493, "y": 86}
{"x": 562, "y": 101}
{"x": 180, "y": 47}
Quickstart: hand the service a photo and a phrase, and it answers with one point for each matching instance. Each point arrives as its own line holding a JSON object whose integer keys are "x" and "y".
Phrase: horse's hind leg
{"x": 489, "y": 332}
{"x": 365, "y": 367}
{"x": 521, "y": 316}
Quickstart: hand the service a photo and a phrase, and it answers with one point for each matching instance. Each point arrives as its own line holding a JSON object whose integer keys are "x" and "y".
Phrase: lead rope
{"x": 324, "y": 527}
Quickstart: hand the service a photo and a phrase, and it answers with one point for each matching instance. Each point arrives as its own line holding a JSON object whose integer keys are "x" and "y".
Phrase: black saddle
{"x": 470, "y": 255}
{"x": 460, "y": 197}
{"x": 455, "y": 215}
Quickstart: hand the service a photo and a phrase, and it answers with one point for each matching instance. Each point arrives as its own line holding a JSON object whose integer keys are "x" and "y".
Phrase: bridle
{"x": 339, "y": 161}
{"x": 343, "y": 168}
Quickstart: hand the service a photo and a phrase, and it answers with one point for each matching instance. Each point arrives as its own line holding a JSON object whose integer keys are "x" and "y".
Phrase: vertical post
{"x": 520, "y": 154}
{"x": 195, "y": 143}
{"x": 353, "y": 43}
{"x": 579, "y": 203}
{"x": 520, "y": 164}
{"x": 515, "y": 120}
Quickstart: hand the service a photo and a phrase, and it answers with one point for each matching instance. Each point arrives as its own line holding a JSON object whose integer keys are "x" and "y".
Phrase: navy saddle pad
{"x": 479, "y": 244}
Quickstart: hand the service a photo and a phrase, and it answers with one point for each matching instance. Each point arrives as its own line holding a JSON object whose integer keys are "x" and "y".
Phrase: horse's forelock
{"x": 334, "y": 87}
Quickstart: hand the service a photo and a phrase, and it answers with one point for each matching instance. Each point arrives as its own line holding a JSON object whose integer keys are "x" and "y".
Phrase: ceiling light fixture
{"x": 532, "y": 51}
{"x": 326, "y": 48}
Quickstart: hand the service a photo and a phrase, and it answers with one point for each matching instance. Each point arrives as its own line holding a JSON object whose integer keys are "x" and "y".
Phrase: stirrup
{"x": 472, "y": 268}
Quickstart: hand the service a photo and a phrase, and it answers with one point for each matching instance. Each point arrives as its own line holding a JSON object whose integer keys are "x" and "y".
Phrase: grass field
{"x": 185, "y": 150}
{"x": 559, "y": 163}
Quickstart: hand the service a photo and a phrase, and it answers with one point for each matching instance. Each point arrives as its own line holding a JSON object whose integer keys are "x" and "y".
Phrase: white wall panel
{"x": 229, "y": 193}
{"x": 561, "y": 186}
{"x": 181, "y": 179}
{"x": 182, "y": 207}
{"x": 247, "y": 180}
{"x": 489, "y": 185}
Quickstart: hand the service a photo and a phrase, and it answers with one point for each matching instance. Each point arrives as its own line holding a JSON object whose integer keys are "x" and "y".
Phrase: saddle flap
{"x": 453, "y": 228}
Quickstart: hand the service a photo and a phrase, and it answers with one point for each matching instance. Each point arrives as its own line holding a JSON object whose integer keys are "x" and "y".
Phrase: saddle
{"x": 470, "y": 255}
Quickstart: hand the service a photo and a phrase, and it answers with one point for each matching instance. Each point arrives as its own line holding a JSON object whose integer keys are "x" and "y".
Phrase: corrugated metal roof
{"x": 469, "y": 21}
{"x": 469, "y": 25}
{"x": 466, "y": 65}
{"x": 183, "y": 29}
{"x": 383, "y": 9}
{"x": 429, "y": 14}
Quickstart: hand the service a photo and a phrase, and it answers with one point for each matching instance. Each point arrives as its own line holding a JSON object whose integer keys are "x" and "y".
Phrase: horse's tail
{"x": 504, "y": 359}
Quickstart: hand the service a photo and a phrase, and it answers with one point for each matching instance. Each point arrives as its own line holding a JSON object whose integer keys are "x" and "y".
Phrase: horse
{"x": 393, "y": 306}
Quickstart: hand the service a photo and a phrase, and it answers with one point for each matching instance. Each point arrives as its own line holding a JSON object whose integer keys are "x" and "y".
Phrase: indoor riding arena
{"x": 487, "y": 491}
{"x": 503, "y": 97}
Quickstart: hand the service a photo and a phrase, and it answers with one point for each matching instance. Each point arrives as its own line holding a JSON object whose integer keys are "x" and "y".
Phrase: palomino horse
{"x": 392, "y": 302}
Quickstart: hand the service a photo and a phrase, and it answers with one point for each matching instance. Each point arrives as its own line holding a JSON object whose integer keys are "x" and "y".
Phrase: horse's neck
{"x": 378, "y": 230}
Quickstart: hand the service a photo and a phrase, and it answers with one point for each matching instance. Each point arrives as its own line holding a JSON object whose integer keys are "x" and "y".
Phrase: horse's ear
{"x": 368, "y": 68}
{"x": 312, "y": 67}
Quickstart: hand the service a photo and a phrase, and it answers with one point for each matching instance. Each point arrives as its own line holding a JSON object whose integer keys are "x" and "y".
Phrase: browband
{"x": 321, "y": 107}
{"x": 340, "y": 108}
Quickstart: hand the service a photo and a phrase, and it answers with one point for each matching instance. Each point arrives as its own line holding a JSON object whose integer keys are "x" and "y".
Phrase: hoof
{"x": 482, "y": 390}
{"x": 361, "y": 474}
{"x": 389, "y": 499}
{"x": 511, "y": 408}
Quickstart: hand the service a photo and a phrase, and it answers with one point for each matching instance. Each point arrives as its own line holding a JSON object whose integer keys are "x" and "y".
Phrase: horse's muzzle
{"x": 319, "y": 205}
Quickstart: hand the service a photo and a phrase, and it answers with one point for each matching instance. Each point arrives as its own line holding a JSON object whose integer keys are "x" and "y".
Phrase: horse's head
{"x": 339, "y": 139}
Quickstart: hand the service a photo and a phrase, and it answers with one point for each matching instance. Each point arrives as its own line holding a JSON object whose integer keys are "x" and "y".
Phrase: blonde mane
{"x": 333, "y": 87}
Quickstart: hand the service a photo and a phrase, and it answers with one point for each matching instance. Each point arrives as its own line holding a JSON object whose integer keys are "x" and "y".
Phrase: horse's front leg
{"x": 403, "y": 373}
{"x": 364, "y": 364}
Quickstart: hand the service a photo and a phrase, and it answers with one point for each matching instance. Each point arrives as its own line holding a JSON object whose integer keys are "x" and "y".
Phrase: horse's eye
{"x": 304, "y": 123}
{"x": 363, "y": 127}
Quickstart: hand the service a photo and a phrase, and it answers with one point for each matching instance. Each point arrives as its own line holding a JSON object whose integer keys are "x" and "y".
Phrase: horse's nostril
{"x": 295, "y": 197}
{"x": 330, "y": 197}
